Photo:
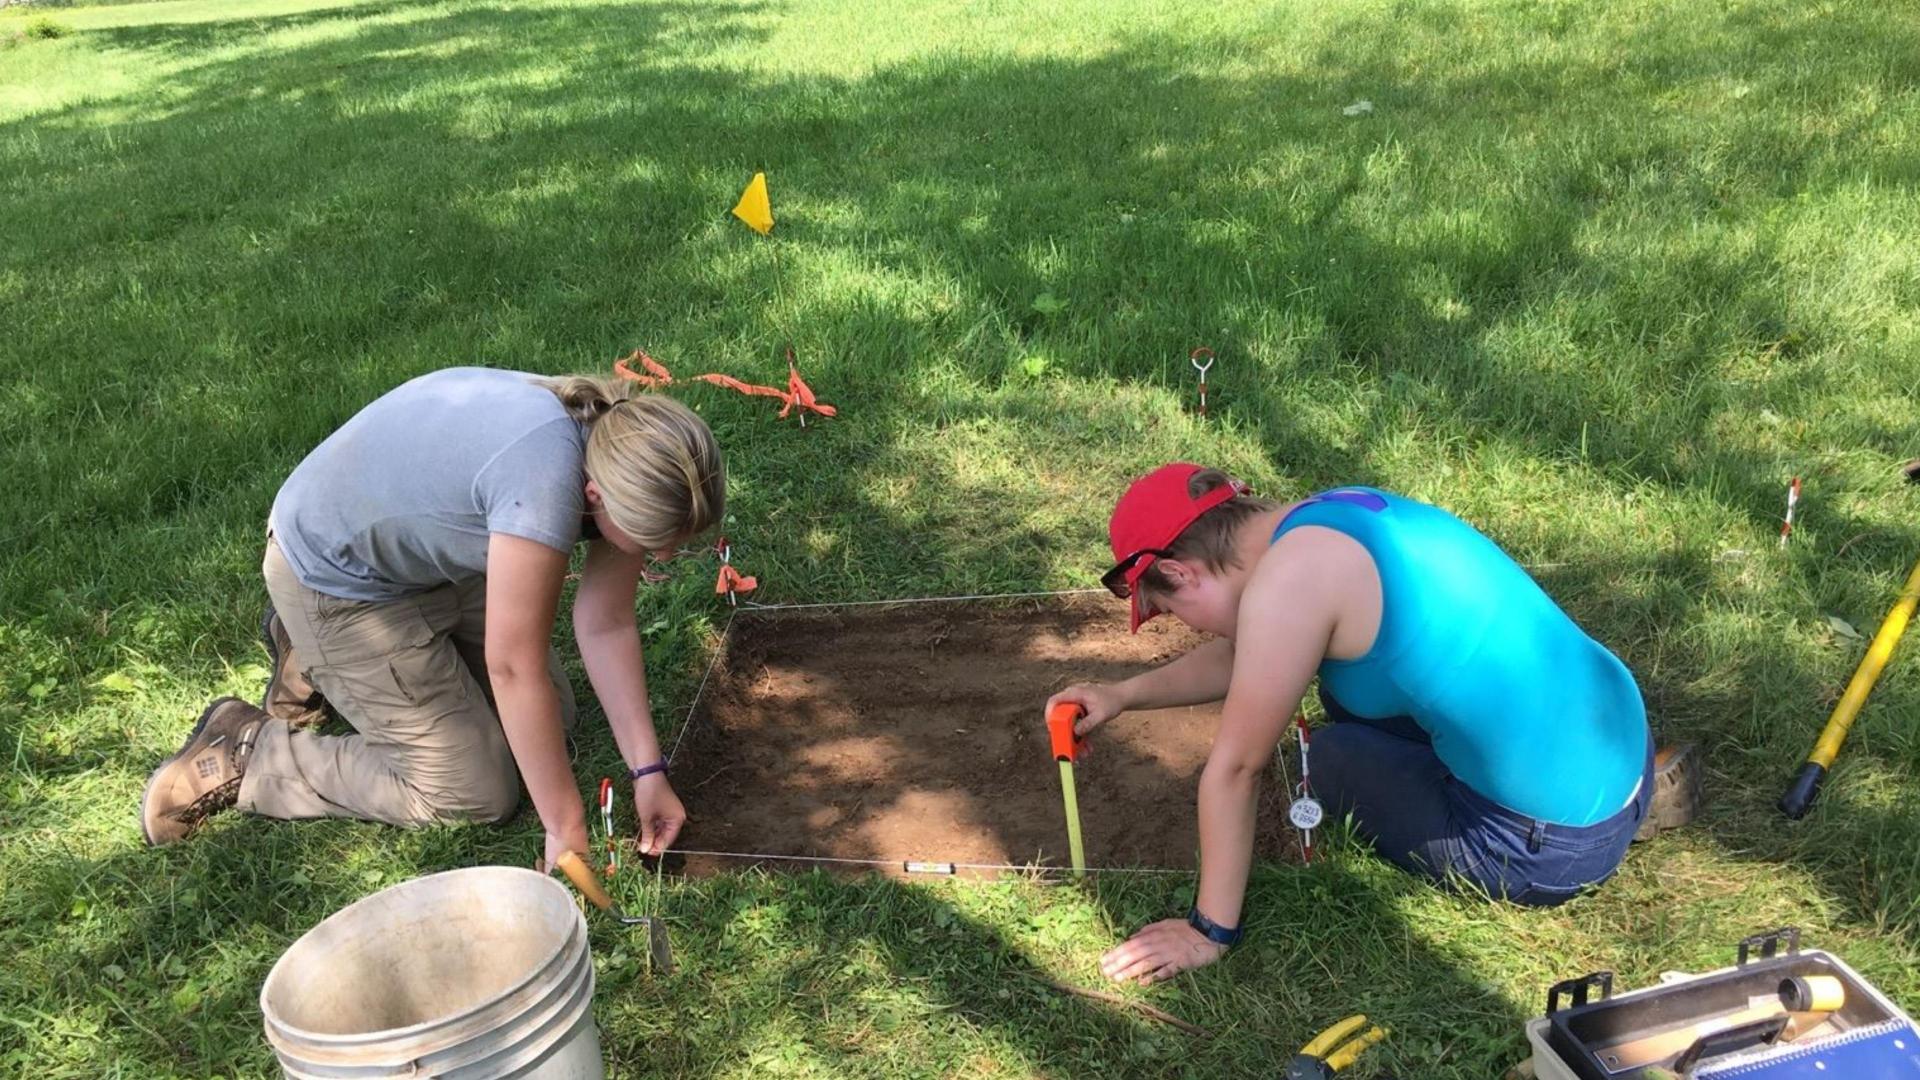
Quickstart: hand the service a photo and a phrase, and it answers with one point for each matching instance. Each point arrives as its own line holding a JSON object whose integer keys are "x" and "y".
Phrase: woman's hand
{"x": 659, "y": 812}
{"x": 1159, "y": 952}
{"x": 1100, "y": 701}
{"x": 570, "y": 838}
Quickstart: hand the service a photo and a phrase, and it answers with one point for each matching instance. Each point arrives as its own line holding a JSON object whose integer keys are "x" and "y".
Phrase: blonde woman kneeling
{"x": 415, "y": 562}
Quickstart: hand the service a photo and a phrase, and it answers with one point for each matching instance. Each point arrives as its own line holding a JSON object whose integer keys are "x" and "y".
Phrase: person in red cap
{"x": 1479, "y": 737}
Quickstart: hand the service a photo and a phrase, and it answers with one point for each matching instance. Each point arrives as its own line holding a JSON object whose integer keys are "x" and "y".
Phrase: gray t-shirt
{"x": 403, "y": 497}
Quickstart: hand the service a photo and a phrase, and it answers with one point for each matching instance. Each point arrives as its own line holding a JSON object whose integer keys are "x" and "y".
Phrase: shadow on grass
{"x": 155, "y": 958}
{"x": 850, "y": 968}
{"x": 426, "y": 172}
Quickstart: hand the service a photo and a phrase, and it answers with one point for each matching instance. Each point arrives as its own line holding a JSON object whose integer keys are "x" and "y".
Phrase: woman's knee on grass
{"x": 494, "y": 799}
{"x": 1395, "y": 792}
{"x": 485, "y": 794}
{"x": 1357, "y": 766}
{"x": 464, "y": 771}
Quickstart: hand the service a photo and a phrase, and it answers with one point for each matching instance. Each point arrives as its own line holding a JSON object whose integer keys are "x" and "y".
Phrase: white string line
{"x": 919, "y": 600}
{"x": 926, "y": 862}
{"x": 727, "y": 630}
{"x": 712, "y": 662}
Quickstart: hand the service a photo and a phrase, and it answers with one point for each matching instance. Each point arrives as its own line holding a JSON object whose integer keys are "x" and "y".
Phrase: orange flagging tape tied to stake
{"x": 731, "y": 582}
{"x": 797, "y": 394}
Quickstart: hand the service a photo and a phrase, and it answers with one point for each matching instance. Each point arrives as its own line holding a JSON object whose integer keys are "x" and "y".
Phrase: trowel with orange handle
{"x": 659, "y": 949}
{"x": 1066, "y": 749}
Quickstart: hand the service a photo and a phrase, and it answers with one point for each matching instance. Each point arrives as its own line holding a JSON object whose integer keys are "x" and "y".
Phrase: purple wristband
{"x": 647, "y": 770}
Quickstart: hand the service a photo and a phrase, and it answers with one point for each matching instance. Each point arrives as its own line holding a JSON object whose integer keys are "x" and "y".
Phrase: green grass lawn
{"x": 1598, "y": 277}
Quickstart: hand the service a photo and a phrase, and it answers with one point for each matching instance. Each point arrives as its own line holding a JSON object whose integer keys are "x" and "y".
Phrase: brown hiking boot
{"x": 1676, "y": 790}
{"x": 289, "y": 696}
{"x": 204, "y": 777}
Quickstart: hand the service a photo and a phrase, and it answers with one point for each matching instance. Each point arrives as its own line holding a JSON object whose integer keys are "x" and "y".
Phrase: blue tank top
{"x": 1522, "y": 706}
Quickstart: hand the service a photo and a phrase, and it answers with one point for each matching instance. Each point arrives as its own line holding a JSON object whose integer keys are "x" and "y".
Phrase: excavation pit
{"x": 909, "y": 738}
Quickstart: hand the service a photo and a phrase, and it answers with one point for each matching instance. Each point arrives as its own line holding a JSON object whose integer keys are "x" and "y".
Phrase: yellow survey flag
{"x": 754, "y": 207}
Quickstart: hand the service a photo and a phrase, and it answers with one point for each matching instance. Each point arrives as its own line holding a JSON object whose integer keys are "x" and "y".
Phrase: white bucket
{"x": 475, "y": 973}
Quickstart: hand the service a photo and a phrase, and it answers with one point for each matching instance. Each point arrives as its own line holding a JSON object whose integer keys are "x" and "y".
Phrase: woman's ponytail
{"x": 657, "y": 464}
{"x": 587, "y": 399}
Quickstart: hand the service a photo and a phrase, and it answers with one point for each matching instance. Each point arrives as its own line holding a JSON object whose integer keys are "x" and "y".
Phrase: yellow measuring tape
{"x": 1066, "y": 747}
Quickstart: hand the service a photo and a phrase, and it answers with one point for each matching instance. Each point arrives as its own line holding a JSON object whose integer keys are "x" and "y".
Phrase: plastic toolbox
{"x": 1744, "y": 1021}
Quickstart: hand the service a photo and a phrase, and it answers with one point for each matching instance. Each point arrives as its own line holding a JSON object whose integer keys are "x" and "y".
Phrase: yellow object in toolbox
{"x": 1779, "y": 1013}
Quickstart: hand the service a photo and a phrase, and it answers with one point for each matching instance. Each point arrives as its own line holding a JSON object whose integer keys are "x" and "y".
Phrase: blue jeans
{"x": 1423, "y": 820}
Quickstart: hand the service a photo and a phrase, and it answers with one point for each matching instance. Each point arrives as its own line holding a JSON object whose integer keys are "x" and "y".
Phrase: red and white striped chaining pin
{"x": 1305, "y": 811}
{"x": 1793, "y": 500}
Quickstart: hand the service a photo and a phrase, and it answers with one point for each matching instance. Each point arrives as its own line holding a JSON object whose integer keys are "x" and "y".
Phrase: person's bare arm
{"x": 1287, "y": 617}
{"x": 609, "y": 640}
{"x": 1283, "y": 637}
{"x": 523, "y": 594}
{"x": 1199, "y": 677}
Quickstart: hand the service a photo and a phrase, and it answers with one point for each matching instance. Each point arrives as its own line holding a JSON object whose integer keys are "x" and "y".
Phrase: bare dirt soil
{"x": 916, "y": 733}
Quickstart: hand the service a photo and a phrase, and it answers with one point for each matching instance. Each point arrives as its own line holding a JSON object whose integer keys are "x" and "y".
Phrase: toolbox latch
{"x": 1768, "y": 944}
{"x": 1576, "y": 990}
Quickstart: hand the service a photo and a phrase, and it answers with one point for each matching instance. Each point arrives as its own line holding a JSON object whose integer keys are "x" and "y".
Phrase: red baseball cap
{"x": 1154, "y": 511}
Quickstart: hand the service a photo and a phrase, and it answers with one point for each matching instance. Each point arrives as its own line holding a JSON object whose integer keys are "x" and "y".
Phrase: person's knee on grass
{"x": 494, "y": 478}
{"x": 488, "y": 797}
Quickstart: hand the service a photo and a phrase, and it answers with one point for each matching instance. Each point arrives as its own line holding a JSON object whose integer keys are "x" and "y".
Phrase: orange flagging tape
{"x": 656, "y": 376}
{"x": 797, "y": 391}
{"x": 734, "y": 581}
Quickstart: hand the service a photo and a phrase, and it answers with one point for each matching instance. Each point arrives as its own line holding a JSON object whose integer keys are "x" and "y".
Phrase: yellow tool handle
{"x": 1867, "y": 673}
{"x": 1806, "y": 783}
{"x": 1072, "y": 798}
{"x": 1345, "y": 1056}
{"x": 1324, "y": 1042}
{"x": 585, "y": 880}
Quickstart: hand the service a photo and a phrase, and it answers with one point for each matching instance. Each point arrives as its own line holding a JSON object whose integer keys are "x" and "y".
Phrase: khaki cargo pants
{"x": 410, "y": 675}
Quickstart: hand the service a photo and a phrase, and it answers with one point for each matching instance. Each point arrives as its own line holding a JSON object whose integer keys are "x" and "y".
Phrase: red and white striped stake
{"x": 1793, "y": 500}
{"x": 731, "y": 581}
{"x": 791, "y": 369}
{"x": 1194, "y": 357}
{"x": 606, "y": 822}
{"x": 1305, "y": 811}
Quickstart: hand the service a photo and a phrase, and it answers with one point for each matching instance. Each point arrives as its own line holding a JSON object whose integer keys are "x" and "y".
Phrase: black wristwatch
{"x": 1225, "y": 936}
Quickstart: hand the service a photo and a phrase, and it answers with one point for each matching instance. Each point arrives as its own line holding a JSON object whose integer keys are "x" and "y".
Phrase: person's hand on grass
{"x": 1159, "y": 952}
{"x": 1100, "y": 701}
{"x": 659, "y": 813}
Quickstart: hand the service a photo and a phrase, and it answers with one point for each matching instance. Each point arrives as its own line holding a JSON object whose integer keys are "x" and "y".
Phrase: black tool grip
{"x": 1799, "y": 798}
{"x": 1758, "y": 1032}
